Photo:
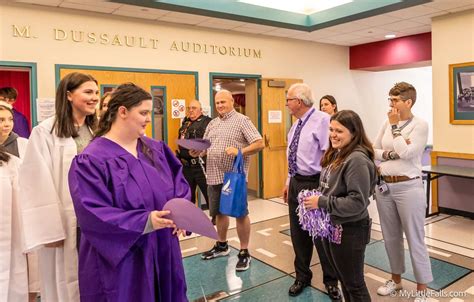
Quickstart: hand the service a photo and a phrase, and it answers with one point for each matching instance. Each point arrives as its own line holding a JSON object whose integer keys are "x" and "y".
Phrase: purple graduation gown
{"x": 113, "y": 193}
{"x": 20, "y": 124}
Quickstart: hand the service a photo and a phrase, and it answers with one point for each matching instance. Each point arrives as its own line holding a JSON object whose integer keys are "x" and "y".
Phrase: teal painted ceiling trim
{"x": 238, "y": 11}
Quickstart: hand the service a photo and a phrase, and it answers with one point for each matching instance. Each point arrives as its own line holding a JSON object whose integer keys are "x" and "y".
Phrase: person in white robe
{"x": 16, "y": 145}
{"x": 13, "y": 270}
{"x": 49, "y": 221}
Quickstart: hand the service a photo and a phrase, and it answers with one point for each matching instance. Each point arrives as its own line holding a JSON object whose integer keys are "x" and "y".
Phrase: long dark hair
{"x": 331, "y": 100}
{"x": 64, "y": 122}
{"x": 128, "y": 95}
{"x": 4, "y": 156}
{"x": 353, "y": 123}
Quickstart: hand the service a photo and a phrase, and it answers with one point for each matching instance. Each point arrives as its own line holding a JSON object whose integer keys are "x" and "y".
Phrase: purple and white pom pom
{"x": 317, "y": 221}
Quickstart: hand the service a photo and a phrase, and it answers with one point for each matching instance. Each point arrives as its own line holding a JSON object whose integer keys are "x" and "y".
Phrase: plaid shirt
{"x": 231, "y": 130}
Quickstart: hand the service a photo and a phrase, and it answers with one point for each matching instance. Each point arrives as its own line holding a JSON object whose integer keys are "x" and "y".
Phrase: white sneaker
{"x": 421, "y": 297}
{"x": 389, "y": 287}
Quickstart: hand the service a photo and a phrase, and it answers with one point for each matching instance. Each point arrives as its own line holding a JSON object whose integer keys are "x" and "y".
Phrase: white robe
{"x": 22, "y": 144}
{"x": 48, "y": 213}
{"x": 13, "y": 271}
{"x": 33, "y": 270}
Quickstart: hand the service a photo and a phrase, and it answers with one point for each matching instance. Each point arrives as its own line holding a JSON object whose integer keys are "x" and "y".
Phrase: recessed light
{"x": 391, "y": 36}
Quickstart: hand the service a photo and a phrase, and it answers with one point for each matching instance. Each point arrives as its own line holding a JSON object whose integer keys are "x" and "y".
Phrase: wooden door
{"x": 251, "y": 110}
{"x": 276, "y": 123}
{"x": 175, "y": 86}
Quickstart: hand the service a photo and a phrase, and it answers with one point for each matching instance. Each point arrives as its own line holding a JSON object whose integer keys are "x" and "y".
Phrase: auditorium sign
{"x": 131, "y": 41}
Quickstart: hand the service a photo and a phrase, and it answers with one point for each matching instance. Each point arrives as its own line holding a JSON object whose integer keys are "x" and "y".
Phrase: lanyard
{"x": 302, "y": 125}
{"x": 325, "y": 175}
{"x": 406, "y": 124}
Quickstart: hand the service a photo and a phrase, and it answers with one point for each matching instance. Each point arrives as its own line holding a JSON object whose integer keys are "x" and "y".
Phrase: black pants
{"x": 348, "y": 259}
{"x": 195, "y": 177}
{"x": 301, "y": 240}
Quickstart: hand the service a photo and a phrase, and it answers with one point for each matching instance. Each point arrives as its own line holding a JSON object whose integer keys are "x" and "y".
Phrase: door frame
{"x": 165, "y": 119}
{"x": 58, "y": 68}
{"x": 258, "y": 78}
{"x": 33, "y": 85}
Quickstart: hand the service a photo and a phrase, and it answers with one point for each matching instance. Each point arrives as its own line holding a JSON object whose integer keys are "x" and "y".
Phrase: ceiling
{"x": 362, "y": 27}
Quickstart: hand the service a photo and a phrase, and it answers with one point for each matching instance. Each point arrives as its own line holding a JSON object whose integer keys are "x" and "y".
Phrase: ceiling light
{"x": 306, "y": 7}
{"x": 391, "y": 36}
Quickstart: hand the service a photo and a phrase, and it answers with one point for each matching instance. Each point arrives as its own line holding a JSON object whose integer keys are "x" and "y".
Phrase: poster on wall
{"x": 274, "y": 116}
{"x": 461, "y": 93}
{"x": 44, "y": 108}
{"x": 178, "y": 108}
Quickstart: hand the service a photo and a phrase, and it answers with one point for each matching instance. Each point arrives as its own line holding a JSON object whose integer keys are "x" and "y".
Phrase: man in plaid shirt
{"x": 228, "y": 133}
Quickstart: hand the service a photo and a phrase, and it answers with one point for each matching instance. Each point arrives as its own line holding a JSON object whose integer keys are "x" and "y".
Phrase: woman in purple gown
{"x": 119, "y": 185}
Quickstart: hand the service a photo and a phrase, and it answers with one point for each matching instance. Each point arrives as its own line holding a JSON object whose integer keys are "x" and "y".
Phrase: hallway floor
{"x": 450, "y": 241}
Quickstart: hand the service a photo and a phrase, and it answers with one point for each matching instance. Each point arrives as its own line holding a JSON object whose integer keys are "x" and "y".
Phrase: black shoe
{"x": 334, "y": 293}
{"x": 296, "y": 288}
{"x": 217, "y": 251}
{"x": 244, "y": 261}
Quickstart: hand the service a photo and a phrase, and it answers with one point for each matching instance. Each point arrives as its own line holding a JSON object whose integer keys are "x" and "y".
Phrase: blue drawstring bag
{"x": 233, "y": 200}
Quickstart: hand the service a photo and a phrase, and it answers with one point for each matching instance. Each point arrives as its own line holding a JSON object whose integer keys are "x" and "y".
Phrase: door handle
{"x": 266, "y": 140}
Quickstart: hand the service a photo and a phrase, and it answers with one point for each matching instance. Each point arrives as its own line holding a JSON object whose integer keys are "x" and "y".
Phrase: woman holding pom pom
{"x": 348, "y": 179}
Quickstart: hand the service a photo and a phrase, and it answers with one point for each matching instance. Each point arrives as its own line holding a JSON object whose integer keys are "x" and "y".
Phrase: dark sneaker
{"x": 244, "y": 261}
{"x": 217, "y": 251}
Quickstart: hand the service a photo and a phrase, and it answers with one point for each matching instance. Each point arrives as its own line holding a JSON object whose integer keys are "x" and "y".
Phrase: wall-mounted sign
{"x": 44, "y": 108}
{"x": 178, "y": 108}
{"x": 127, "y": 40}
{"x": 274, "y": 116}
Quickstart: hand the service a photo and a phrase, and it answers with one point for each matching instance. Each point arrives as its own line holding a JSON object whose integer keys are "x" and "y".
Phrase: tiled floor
{"x": 450, "y": 240}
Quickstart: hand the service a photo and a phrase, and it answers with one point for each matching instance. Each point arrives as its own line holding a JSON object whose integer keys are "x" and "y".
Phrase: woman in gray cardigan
{"x": 347, "y": 181}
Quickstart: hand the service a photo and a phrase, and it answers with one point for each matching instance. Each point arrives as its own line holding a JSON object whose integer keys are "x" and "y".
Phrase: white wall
{"x": 372, "y": 90}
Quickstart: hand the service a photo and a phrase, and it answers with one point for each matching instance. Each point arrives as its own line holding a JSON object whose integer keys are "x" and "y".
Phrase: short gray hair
{"x": 303, "y": 92}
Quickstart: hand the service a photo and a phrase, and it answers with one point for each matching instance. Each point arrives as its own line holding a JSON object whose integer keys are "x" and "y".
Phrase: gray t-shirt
{"x": 84, "y": 137}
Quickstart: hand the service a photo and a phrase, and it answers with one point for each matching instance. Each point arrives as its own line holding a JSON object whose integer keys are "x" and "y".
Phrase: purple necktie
{"x": 292, "y": 167}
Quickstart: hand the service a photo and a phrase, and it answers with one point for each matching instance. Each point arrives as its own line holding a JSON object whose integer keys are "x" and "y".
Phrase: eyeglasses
{"x": 192, "y": 108}
{"x": 394, "y": 100}
{"x": 291, "y": 99}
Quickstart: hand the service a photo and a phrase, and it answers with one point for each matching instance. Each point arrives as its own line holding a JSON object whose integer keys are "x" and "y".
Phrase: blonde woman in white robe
{"x": 48, "y": 216}
{"x": 16, "y": 145}
{"x": 13, "y": 270}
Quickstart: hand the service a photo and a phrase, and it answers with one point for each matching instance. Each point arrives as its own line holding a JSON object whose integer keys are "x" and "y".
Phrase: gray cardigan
{"x": 350, "y": 185}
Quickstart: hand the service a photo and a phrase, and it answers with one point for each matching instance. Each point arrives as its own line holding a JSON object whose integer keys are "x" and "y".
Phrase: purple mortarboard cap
{"x": 189, "y": 217}
{"x": 197, "y": 144}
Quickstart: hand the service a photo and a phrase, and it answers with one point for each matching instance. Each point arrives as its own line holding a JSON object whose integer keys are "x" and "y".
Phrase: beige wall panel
{"x": 455, "y": 31}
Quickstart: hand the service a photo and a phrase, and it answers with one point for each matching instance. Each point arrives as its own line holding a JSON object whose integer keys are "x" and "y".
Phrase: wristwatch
{"x": 391, "y": 155}
{"x": 394, "y": 127}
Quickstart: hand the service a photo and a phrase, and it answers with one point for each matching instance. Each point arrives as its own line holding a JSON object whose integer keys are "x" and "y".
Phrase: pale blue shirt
{"x": 314, "y": 141}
